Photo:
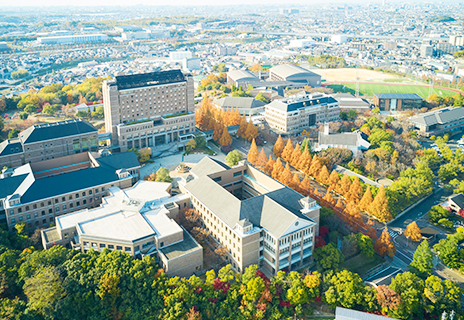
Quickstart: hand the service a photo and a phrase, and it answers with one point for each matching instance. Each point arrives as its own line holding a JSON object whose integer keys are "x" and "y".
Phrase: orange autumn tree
{"x": 413, "y": 232}
{"x": 218, "y": 128}
{"x": 384, "y": 245}
{"x": 251, "y": 131}
{"x": 355, "y": 191}
{"x": 295, "y": 184}
{"x": 262, "y": 159}
{"x": 277, "y": 169}
{"x": 328, "y": 197}
{"x": 241, "y": 131}
{"x": 305, "y": 186}
{"x": 344, "y": 186}
{"x": 305, "y": 161}
{"x": 334, "y": 179}
{"x": 278, "y": 147}
{"x": 269, "y": 165}
{"x": 286, "y": 176}
{"x": 315, "y": 167}
{"x": 323, "y": 176}
{"x": 380, "y": 208}
{"x": 288, "y": 150}
{"x": 253, "y": 153}
{"x": 366, "y": 200}
{"x": 225, "y": 139}
{"x": 296, "y": 155}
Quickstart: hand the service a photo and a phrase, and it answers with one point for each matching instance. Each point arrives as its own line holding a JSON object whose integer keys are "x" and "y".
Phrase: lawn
{"x": 368, "y": 89}
{"x": 360, "y": 264}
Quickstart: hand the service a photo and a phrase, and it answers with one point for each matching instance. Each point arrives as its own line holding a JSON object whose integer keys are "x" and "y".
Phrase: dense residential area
{"x": 232, "y": 161}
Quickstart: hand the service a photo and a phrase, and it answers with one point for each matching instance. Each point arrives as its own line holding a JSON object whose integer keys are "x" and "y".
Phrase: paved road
{"x": 419, "y": 211}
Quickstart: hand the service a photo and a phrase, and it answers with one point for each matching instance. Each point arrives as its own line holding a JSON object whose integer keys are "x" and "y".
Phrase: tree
{"x": 23, "y": 115}
{"x": 218, "y": 128}
{"x": 422, "y": 262}
{"x": 241, "y": 131}
{"x": 387, "y": 298}
{"x": 144, "y": 155}
{"x": 305, "y": 161}
{"x": 413, "y": 232}
{"x": 251, "y": 131}
{"x": 380, "y": 208}
{"x": 345, "y": 185}
{"x": 81, "y": 114}
{"x": 269, "y": 165}
{"x": 384, "y": 245}
{"x": 278, "y": 147}
{"x": 286, "y": 176}
{"x": 328, "y": 197}
{"x": 43, "y": 290}
{"x": 225, "y": 139}
{"x": 365, "y": 244}
{"x": 262, "y": 159}
{"x": 162, "y": 175}
{"x": 366, "y": 200}
{"x": 277, "y": 169}
{"x": 253, "y": 153}
{"x": 315, "y": 167}
{"x": 323, "y": 176}
{"x": 233, "y": 158}
{"x": 334, "y": 179}
{"x": 410, "y": 289}
{"x": 13, "y": 133}
{"x": 48, "y": 109}
{"x": 354, "y": 194}
{"x": 328, "y": 257}
{"x": 296, "y": 156}
{"x": 261, "y": 98}
{"x": 295, "y": 184}
{"x": 30, "y": 108}
{"x": 305, "y": 186}
{"x": 15, "y": 75}
{"x": 287, "y": 152}
{"x": 345, "y": 288}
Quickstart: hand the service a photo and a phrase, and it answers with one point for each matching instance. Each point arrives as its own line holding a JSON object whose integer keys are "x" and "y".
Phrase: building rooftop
{"x": 440, "y": 116}
{"x": 55, "y": 130}
{"x": 10, "y": 146}
{"x": 348, "y": 314}
{"x": 184, "y": 247}
{"x": 239, "y": 102}
{"x": 241, "y": 75}
{"x": 345, "y": 138}
{"x": 295, "y": 103}
{"x": 402, "y": 96}
{"x": 148, "y": 79}
{"x": 290, "y": 70}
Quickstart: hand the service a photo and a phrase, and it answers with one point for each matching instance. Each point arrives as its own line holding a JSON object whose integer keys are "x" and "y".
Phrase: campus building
{"x": 36, "y": 193}
{"x": 297, "y": 113}
{"x": 138, "y": 221}
{"x": 356, "y": 141}
{"x": 245, "y": 105}
{"x": 258, "y": 219}
{"x": 294, "y": 73}
{"x": 150, "y": 109}
{"x": 77, "y": 38}
{"x": 49, "y": 141}
{"x": 397, "y": 101}
{"x": 438, "y": 122}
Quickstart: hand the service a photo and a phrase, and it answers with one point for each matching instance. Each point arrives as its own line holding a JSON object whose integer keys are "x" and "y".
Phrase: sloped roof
{"x": 208, "y": 166}
{"x": 9, "y": 147}
{"x": 440, "y": 116}
{"x": 125, "y": 160}
{"x": 56, "y": 130}
{"x": 9, "y": 185}
{"x": 289, "y": 106}
{"x": 239, "y": 102}
{"x": 290, "y": 70}
{"x": 240, "y": 75}
{"x": 348, "y": 314}
{"x": 402, "y": 96}
{"x": 458, "y": 199}
{"x": 345, "y": 138}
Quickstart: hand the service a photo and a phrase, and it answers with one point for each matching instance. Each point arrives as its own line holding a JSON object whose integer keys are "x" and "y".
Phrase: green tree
{"x": 15, "y": 75}
{"x": 23, "y": 115}
{"x": 162, "y": 175}
{"x": 43, "y": 290}
{"x": 48, "y": 109}
{"x": 233, "y": 158}
{"x": 346, "y": 289}
{"x": 82, "y": 114}
{"x": 378, "y": 136}
{"x": 13, "y": 133}
{"x": 261, "y": 97}
{"x": 422, "y": 262}
{"x": 30, "y": 108}
{"x": 410, "y": 288}
{"x": 365, "y": 244}
{"x": 328, "y": 257}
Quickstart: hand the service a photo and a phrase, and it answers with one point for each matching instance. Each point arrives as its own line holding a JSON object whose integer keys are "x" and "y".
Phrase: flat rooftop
{"x": 187, "y": 246}
{"x": 149, "y": 79}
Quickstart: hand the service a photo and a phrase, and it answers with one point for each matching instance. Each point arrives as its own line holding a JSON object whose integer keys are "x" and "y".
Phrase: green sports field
{"x": 368, "y": 89}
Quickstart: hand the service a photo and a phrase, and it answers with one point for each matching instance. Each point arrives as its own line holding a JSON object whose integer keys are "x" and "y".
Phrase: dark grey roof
{"x": 125, "y": 160}
{"x": 9, "y": 185}
{"x": 440, "y": 116}
{"x": 9, "y": 147}
{"x": 289, "y": 106}
{"x": 239, "y": 102}
{"x": 402, "y": 96}
{"x": 56, "y": 130}
{"x": 149, "y": 79}
{"x": 68, "y": 182}
{"x": 181, "y": 248}
{"x": 458, "y": 199}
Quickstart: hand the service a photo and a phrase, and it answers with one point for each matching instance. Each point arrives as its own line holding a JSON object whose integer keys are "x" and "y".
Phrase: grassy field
{"x": 367, "y": 89}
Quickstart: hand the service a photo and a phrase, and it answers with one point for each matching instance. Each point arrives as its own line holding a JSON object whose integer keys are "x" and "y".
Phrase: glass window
{"x": 110, "y": 246}
{"x": 119, "y": 248}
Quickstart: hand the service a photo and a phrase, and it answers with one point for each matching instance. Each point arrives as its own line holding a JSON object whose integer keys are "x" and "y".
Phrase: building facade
{"x": 49, "y": 141}
{"x": 256, "y": 218}
{"x": 79, "y": 38}
{"x": 138, "y": 221}
{"x": 37, "y": 193}
{"x": 439, "y": 121}
{"x": 151, "y": 109}
{"x": 297, "y": 113}
{"x": 397, "y": 101}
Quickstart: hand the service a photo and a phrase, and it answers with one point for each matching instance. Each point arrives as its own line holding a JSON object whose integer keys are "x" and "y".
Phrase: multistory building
{"x": 49, "y": 141}
{"x": 256, "y": 218}
{"x": 294, "y": 114}
{"x": 150, "y": 109}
